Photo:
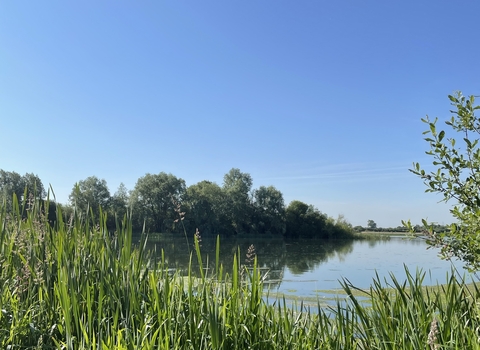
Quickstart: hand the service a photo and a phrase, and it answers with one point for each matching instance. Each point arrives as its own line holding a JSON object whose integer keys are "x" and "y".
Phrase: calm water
{"x": 307, "y": 268}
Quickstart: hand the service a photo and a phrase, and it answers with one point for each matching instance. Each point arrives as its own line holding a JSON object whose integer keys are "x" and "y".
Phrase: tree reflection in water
{"x": 273, "y": 253}
{"x": 306, "y": 255}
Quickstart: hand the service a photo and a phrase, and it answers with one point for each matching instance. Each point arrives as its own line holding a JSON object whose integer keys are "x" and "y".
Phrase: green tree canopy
{"x": 372, "y": 225}
{"x": 237, "y": 187}
{"x": 270, "y": 210}
{"x": 156, "y": 200}
{"x": 119, "y": 201}
{"x": 303, "y": 220}
{"x": 456, "y": 159}
{"x": 206, "y": 209}
{"x": 13, "y": 183}
{"x": 34, "y": 186}
{"x": 90, "y": 193}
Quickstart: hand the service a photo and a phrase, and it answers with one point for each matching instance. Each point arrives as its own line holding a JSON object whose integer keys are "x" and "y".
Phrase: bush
{"x": 457, "y": 179}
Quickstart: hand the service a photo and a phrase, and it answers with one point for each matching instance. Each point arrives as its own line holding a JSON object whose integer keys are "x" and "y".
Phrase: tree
{"x": 269, "y": 210}
{"x": 90, "y": 193}
{"x": 156, "y": 201}
{"x": 119, "y": 202}
{"x": 372, "y": 225}
{"x": 206, "y": 209}
{"x": 457, "y": 179}
{"x": 237, "y": 187}
{"x": 303, "y": 220}
{"x": 34, "y": 186}
{"x": 13, "y": 183}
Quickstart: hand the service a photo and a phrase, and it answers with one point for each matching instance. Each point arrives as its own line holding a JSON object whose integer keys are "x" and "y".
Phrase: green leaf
{"x": 441, "y": 135}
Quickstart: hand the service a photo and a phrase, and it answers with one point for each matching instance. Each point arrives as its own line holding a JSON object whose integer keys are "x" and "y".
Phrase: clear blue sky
{"x": 321, "y": 99}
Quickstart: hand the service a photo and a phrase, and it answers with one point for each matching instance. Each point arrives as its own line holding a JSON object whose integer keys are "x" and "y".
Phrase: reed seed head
{"x": 250, "y": 254}
{"x": 432, "y": 335}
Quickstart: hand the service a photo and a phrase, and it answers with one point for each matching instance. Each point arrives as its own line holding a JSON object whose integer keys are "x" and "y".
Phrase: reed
{"x": 75, "y": 285}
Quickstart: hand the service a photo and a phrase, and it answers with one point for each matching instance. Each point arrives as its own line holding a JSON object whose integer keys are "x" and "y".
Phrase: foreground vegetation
{"x": 455, "y": 155}
{"x": 77, "y": 286}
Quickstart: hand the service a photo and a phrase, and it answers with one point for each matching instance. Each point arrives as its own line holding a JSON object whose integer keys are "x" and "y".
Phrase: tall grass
{"x": 74, "y": 285}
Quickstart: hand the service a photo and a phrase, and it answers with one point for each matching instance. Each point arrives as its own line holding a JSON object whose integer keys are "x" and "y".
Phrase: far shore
{"x": 398, "y": 233}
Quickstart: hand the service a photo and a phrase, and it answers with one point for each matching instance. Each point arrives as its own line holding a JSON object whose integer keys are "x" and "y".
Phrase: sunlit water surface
{"x": 365, "y": 261}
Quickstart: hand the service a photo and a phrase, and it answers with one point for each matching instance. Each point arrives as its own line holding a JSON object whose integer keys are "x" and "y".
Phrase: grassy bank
{"x": 78, "y": 286}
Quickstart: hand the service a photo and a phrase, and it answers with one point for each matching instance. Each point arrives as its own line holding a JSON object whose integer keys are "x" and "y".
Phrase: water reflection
{"x": 307, "y": 255}
{"x": 273, "y": 253}
{"x": 305, "y": 267}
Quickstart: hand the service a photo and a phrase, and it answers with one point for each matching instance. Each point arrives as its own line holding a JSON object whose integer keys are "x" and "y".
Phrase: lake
{"x": 310, "y": 268}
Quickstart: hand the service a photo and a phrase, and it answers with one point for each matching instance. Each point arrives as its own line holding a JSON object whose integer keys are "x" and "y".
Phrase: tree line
{"x": 372, "y": 227}
{"x": 164, "y": 203}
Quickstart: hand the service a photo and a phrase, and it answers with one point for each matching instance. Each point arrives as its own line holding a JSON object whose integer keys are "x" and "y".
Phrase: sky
{"x": 321, "y": 99}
